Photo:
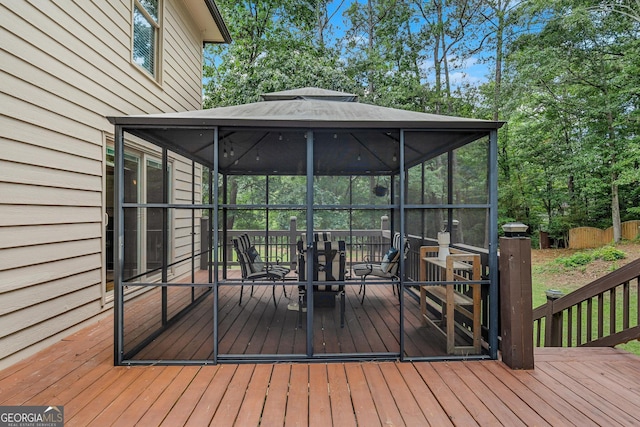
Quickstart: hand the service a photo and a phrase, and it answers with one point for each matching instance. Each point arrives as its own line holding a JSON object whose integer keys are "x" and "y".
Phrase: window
{"x": 146, "y": 35}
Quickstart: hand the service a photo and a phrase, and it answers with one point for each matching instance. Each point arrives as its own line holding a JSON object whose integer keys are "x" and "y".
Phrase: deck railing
{"x": 603, "y": 313}
{"x": 281, "y": 245}
{"x": 369, "y": 244}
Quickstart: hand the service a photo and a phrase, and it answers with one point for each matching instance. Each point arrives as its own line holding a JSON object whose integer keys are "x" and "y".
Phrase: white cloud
{"x": 460, "y": 77}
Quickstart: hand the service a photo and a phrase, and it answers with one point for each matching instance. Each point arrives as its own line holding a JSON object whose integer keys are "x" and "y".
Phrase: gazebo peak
{"x": 310, "y": 93}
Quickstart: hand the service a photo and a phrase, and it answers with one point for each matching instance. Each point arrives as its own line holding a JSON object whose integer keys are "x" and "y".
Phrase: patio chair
{"x": 329, "y": 265}
{"x": 386, "y": 269}
{"x": 254, "y": 268}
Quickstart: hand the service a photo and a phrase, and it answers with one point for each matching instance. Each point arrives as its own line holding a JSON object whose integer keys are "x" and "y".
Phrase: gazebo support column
{"x": 494, "y": 309}
{"x": 118, "y": 246}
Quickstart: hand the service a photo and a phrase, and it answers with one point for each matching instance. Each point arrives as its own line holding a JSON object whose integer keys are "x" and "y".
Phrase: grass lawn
{"x": 549, "y": 274}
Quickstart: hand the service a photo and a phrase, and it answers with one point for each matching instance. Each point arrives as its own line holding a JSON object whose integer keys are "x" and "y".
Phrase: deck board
{"x": 157, "y": 411}
{"x": 297, "y": 412}
{"x": 574, "y": 398}
{"x": 472, "y": 402}
{"x": 275, "y": 402}
{"x": 192, "y": 395}
{"x": 383, "y": 400}
{"x": 210, "y": 403}
{"x": 342, "y": 413}
{"x": 364, "y": 406}
{"x": 253, "y": 401}
{"x": 526, "y": 391}
{"x": 603, "y": 400}
{"x": 322, "y": 401}
{"x": 493, "y": 393}
{"x": 432, "y": 410}
{"x": 446, "y": 398}
{"x": 580, "y": 386}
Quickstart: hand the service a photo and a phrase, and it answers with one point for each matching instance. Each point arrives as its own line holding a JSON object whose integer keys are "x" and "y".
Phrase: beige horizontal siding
{"x": 105, "y": 63}
{"x": 64, "y": 66}
{"x": 12, "y": 215}
{"x": 30, "y": 235}
{"x": 52, "y": 103}
{"x": 39, "y": 195}
{"x": 42, "y": 331}
{"x": 36, "y": 175}
{"x": 25, "y": 297}
{"x": 90, "y": 90}
{"x": 23, "y": 317}
{"x": 45, "y": 118}
{"x": 185, "y": 42}
{"x": 33, "y": 255}
{"x": 113, "y": 16}
{"x": 182, "y": 55}
{"x": 29, "y": 134}
{"x": 33, "y": 275}
{"x": 80, "y": 50}
{"x": 26, "y": 153}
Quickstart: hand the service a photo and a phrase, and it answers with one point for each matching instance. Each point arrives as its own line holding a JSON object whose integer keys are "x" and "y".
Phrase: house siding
{"x": 64, "y": 66}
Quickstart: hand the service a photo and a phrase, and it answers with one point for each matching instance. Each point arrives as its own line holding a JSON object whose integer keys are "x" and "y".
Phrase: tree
{"x": 277, "y": 45}
{"x": 579, "y": 74}
{"x": 377, "y": 58}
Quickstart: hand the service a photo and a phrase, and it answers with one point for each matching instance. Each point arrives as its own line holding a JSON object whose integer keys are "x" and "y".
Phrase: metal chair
{"x": 386, "y": 269}
{"x": 253, "y": 268}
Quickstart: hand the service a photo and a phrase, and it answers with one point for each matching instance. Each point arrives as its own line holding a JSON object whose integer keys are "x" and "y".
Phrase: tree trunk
{"x": 615, "y": 210}
{"x": 436, "y": 58}
{"x": 445, "y": 65}
{"x": 233, "y": 199}
{"x": 498, "y": 76}
{"x": 320, "y": 23}
{"x": 615, "y": 201}
{"x": 371, "y": 34}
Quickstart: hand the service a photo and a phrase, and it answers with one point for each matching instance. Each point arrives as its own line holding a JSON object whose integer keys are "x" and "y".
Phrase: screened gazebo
{"x": 280, "y": 172}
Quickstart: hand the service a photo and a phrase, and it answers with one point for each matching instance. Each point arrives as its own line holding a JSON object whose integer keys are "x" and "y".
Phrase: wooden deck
{"x": 583, "y": 386}
{"x": 261, "y": 328}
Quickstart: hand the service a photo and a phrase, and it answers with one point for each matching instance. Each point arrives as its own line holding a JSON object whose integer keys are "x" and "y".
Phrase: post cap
{"x": 554, "y": 293}
{"x": 515, "y": 229}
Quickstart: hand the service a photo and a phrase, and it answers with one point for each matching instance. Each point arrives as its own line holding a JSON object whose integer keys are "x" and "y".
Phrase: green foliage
{"x": 276, "y": 47}
{"x": 573, "y": 113}
{"x": 606, "y": 253}
{"x": 576, "y": 260}
{"x": 564, "y": 75}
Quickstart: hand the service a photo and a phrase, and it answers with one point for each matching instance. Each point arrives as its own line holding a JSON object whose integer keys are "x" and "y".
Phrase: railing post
{"x": 553, "y": 321}
{"x": 293, "y": 239}
{"x": 516, "y": 311}
{"x": 384, "y": 223}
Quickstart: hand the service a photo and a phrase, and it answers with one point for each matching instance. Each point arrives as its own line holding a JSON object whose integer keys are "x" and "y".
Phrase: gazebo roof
{"x": 344, "y": 127}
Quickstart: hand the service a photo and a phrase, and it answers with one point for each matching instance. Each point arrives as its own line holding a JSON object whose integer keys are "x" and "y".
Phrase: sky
{"x": 471, "y": 71}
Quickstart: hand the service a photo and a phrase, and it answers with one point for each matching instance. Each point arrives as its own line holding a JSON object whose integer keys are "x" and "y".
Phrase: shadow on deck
{"x": 261, "y": 330}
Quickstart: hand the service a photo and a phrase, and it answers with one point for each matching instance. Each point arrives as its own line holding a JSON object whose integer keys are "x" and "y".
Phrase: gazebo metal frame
{"x": 288, "y": 128}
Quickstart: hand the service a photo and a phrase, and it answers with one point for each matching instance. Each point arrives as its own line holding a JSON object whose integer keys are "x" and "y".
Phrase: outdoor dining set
{"x": 328, "y": 268}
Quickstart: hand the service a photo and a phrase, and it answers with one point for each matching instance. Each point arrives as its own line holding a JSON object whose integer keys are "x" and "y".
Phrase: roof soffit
{"x": 209, "y": 22}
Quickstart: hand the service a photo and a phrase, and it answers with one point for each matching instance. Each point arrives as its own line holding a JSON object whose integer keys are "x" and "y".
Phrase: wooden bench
{"x": 447, "y": 300}
{"x": 439, "y": 293}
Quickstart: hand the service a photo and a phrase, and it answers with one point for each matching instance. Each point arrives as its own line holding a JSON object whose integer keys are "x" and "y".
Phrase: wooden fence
{"x": 590, "y": 237}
